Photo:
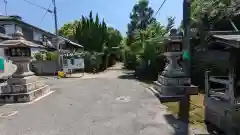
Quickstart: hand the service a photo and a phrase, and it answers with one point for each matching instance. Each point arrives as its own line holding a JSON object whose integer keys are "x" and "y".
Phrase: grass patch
{"x": 196, "y": 114}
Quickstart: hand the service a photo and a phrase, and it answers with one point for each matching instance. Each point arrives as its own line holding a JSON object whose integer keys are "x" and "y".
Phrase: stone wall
{"x": 44, "y": 67}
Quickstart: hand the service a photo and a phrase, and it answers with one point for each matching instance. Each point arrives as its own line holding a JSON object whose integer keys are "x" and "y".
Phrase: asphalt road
{"x": 103, "y": 105}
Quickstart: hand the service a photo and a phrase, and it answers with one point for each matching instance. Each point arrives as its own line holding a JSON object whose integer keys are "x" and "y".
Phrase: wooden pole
{"x": 184, "y": 104}
{"x": 186, "y": 37}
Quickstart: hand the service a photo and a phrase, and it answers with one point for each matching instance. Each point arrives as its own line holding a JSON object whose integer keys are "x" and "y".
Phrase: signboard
{"x": 73, "y": 63}
{"x": 186, "y": 55}
{"x": 2, "y": 64}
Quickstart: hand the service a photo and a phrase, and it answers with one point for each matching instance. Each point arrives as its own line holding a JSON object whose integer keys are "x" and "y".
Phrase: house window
{"x": 72, "y": 61}
{"x": 37, "y": 36}
{"x": 18, "y": 28}
{"x": 44, "y": 38}
{"x": 9, "y": 29}
{"x": 65, "y": 63}
{"x": 2, "y": 29}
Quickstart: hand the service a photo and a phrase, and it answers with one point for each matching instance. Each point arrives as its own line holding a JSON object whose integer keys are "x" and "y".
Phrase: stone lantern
{"x": 173, "y": 81}
{"x": 24, "y": 86}
{"x": 173, "y": 43}
{"x": 173, "y": 47}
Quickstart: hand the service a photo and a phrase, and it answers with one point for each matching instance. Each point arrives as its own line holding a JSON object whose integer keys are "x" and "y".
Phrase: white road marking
{"x": 39, "y": 98}
{"x": 9, "y": 114}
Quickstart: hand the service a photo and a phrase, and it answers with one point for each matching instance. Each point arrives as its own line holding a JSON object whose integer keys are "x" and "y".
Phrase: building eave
{"x": 227, "y": 38}
{"x": 27, "y": 24}
{"x": 70, "y": 42}
{"x": 8, "y": 18}
{"x": 4, "y": 36}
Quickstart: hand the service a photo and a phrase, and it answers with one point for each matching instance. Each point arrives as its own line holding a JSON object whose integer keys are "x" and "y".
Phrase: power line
{"x": 34, "y": 4}
{"x": 59, "y": 47}
{"x": 46, "y": 12}
{"x": 54, "y": 11}
{"x": 160, "y": 7}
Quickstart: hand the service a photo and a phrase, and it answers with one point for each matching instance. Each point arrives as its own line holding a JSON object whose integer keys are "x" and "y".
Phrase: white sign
{"x": 72, "y": 63}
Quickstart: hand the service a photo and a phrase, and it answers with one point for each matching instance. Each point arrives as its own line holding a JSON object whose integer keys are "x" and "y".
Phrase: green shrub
{"x": 130, "y": 61}
{"x": 51, "y": 56}
{"x": 150, "y": 70}
{"x": 39, "y": 56}
{"x": 45, "y": 56}
{"x": 93, "y": 60}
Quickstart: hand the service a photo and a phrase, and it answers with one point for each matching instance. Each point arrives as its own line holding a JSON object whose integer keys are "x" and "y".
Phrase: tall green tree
{"x": 149, "y": 46}
{"x": 91, "y": 33}
{"x": 114, "y": 37}
{"x": 100, "y": 41}
{"x": 141, "y": 16}
{"x": 68, "y": 29}
{"x": 207, "y": 14}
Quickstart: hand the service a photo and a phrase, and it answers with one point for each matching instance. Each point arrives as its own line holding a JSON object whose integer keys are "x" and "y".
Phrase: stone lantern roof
{"x": 19, "y": 41}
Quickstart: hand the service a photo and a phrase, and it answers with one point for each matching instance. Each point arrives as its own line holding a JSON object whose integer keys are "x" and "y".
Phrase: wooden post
{"x": 207, "y": 83}
{"x": 184, "y": 105}
{"x": 186, "y": 40}
{"x": 183, "y": 113}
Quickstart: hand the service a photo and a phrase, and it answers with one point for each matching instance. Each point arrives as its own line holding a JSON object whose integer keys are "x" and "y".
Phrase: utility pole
{"x": 56, "y": 32}
{"x": 186, "y": 38}
{"x": 5, "y": 4}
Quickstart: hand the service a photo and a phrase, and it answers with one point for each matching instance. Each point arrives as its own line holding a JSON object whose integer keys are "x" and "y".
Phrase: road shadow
{"x": 129, "y": 75}
{"x": 182, "y": 128}
{"x": 179, "y": 127}
{"x": 112, "y": 69}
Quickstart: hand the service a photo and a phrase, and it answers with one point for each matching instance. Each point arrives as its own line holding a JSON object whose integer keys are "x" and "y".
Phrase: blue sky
{"x": 115, "y": 12}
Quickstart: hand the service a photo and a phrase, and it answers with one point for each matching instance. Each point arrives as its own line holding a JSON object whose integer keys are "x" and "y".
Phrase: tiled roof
{"x": 70, "y": 42}
{"x": 11, "y": 18}
{"x": 4, "y": 36}
{"x": 229, "y": 38}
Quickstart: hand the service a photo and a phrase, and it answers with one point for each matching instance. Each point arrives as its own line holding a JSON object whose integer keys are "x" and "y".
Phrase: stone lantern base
{"x": 24, "y": 86}
{"x": 174, "y": 86}
{"x": 26, "y": 89}
{"x": 173, "y": 81}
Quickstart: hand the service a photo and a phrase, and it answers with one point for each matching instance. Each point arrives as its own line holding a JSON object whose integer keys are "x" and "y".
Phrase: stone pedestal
{"x": 173, "y": 81}
{"x": 24, "y": 86}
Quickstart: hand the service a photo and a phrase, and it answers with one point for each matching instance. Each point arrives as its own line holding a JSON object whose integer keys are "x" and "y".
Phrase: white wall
{"x": 44, "y": 67}
{"x": 35, "y": 50}
{"x": 2, "y": 52}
